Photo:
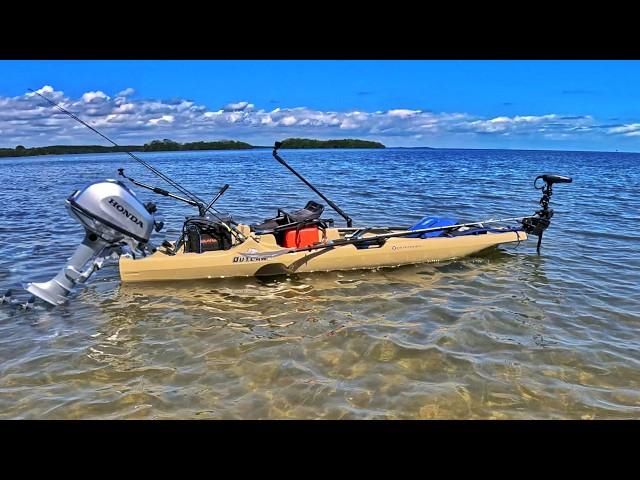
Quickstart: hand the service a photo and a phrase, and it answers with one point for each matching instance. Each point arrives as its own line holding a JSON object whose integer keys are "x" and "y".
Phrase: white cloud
{"x": 92, "y": 96}
{"x": 162, "y": 119}
{"x": 348, "y": 123}
{"x": 237, "y": 107}
{"x": 402, "y": 112}
{"x": 47, "y": 89}
{"x": 125, "y": 107}
{"x": 288, "y": 121}
{"x": 126, "y": 92}
{"x": 629, "y": 130}
{"x": 29, "y": 120}
{"x": 510, "y": 124}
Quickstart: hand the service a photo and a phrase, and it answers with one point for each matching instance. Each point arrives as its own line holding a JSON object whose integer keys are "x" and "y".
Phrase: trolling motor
{"x": 537, "y": 224}
{"x": 115, "y": 222}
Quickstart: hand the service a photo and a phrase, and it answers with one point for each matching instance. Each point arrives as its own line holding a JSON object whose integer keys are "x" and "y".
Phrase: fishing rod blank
{"x": 198, "y": 202}
{"x": 164, "y": 177}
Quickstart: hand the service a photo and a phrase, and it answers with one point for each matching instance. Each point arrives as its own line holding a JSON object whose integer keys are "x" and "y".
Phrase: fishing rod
{"x": 276, "y": 146}
{"x": 215, "y": 199}
{"x": 160, "y": 191}
{"x": 157, "y": 172}
{"x": 193, "y": 199}
{"x": 381, "y": 238}
{"x": 202, "y": 209}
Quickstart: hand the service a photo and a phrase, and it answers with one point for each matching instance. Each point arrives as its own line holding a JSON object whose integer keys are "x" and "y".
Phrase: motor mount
{"x": 113, "y": 218}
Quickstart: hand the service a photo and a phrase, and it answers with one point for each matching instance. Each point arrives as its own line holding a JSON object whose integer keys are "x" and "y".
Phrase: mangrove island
{"x": 167, "y": 145}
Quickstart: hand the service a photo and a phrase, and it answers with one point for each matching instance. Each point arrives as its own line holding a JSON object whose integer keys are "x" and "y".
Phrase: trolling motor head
{"x": 550, "y": 179}
{"x": 113, "y": 218}
{"x": 540, "y": 221}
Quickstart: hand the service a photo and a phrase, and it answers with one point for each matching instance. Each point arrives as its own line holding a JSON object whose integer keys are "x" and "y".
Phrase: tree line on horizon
{"x": 345, "y": 143}
{"x": 167, "y": 145}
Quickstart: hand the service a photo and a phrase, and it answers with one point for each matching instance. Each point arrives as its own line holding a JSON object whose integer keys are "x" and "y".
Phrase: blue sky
{"x": 567, "y": 105}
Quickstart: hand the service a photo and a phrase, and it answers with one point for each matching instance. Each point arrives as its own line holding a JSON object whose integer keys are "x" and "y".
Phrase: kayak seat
{"x": 432, "y": 222}
{"x": 310, "y": 212}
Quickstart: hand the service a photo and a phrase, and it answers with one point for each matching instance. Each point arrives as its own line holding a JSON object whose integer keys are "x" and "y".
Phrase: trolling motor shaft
{"x": 537, "y": 224}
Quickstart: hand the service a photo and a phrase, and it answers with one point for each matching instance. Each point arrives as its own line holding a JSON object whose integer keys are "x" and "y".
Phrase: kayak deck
{"x": 394, "y": 252}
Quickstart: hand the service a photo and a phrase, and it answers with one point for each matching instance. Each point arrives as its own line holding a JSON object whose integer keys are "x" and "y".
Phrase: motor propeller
{"x": 29, "y": 304}
{"x": 6, "y": 297}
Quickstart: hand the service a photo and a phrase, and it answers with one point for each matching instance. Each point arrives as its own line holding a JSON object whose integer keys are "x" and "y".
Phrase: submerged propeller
{"x": 28, "y": 305}
{"x": 6, "y": 297}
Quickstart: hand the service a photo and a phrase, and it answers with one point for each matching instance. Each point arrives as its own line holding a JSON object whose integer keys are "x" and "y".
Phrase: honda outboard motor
{"x": 113, "y": 218}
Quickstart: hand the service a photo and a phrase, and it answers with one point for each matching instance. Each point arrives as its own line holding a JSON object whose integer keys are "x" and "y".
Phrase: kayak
{"x": 119, "y": 226}
{"x": 234, "y": 262}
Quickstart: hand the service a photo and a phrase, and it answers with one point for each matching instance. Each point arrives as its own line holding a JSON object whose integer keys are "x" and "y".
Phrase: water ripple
{"x": 506, "y": 334}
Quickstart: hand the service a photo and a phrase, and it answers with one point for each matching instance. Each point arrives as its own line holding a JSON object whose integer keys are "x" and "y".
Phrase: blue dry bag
{"x": 431, "y": 222}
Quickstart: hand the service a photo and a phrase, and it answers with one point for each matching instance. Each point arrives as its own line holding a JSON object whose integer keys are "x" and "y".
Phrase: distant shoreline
{"x": 97, "y": 149}
{"x": 167, "y": 145}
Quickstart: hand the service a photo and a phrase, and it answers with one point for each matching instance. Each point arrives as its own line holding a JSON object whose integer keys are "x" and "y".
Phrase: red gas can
{"x": 301, "y": 238}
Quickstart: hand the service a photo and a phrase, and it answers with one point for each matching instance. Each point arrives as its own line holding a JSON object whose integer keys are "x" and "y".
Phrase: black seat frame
{"x": 307, "y": 216}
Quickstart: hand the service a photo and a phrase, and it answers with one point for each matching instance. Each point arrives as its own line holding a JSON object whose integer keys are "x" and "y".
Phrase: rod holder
{"x": 347, "y": 218}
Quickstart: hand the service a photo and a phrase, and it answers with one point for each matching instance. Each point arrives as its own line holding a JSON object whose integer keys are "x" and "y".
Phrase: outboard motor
{"x": 113, "y": 218}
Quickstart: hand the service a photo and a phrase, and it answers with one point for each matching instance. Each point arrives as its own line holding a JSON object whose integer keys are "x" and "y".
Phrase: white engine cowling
{"x": 112, "y": 211}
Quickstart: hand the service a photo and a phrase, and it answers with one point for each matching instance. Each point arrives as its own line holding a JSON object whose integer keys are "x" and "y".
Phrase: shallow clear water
{"x": 507, "y": 334}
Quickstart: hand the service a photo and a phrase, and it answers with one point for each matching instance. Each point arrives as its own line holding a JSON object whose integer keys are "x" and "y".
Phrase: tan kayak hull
{"x": 231, "y": 263}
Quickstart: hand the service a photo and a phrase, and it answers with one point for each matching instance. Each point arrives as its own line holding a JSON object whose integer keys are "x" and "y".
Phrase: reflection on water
{"x": 504, "y": 334}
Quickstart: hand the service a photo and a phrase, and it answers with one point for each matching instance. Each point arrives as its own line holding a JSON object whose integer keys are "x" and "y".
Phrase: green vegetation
{"x": 21, "y": 151}
{"x": 345, "y": 143}
{"x": 167, "y": 145}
